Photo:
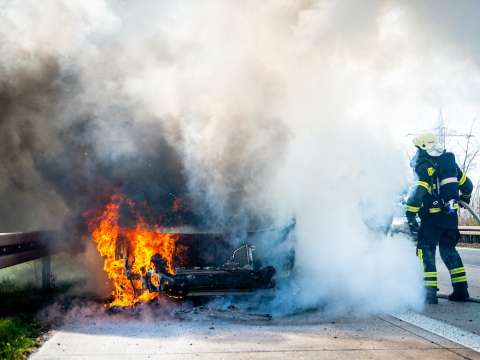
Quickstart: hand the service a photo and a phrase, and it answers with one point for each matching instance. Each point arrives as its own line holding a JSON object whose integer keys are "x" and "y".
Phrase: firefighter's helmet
{"x": 429, "y": 142}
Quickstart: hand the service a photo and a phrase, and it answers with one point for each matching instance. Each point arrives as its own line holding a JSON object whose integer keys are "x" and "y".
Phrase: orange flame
{"x": 119, "y": 245}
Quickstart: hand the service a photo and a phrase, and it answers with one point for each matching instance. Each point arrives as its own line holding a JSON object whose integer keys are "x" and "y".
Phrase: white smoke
{"x": 279, "y": 108}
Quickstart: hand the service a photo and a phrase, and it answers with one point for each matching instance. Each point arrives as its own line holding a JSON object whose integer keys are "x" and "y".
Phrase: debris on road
{"x": 231, "y": 313}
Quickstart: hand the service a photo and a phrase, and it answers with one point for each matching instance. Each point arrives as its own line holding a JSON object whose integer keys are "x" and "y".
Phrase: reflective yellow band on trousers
{"x": 420, "y": 254}
{"x": 462, "y": 180}
{"x": 457, "y": 270}
{"x": 431, "y": 283}
{"x": 459, "y": 279}
{"x": 430, "y": 274}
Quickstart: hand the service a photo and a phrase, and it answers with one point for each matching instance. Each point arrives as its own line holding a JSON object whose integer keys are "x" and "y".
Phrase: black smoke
{"x": 51, "y": 166}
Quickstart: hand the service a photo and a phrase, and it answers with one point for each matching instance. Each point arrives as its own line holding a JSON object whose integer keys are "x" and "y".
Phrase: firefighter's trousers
{"x": 431, "y": 235}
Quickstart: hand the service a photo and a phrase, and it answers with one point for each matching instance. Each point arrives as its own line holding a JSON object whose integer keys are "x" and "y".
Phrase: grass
{"x": 18, "y": 337}
{"x": 21, "y": 298}
{"x": 19, "y": 330}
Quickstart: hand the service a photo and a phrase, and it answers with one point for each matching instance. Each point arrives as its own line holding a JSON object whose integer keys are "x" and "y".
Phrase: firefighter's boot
{"x": 431, "y": 295}
{"x": 460, "y": 292}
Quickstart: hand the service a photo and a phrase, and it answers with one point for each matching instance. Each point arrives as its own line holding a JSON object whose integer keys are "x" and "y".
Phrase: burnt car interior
{"x": 207, "y": 264}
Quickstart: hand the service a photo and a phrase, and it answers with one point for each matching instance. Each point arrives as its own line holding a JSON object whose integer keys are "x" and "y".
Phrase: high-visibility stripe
{"x": 424, "y": 184}
{"x": 431, "y": 283}
{"x": 462, "y": 179}
{"x": 430, "y": 274}
{"x": 414, "y": 209}
{"x": 459, "y": 279}
{"x": 420, "y": 255}
{"x": 434, "y": 210}
{"x": 449, "y": 180}
{"x": 457, "y": 270}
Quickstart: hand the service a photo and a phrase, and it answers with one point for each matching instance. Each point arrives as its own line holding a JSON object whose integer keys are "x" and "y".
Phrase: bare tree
{"x": 470, "y": 149}
{"x": 467, "y": 161}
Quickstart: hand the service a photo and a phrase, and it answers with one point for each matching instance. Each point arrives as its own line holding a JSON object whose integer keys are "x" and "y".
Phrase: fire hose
{"x": 470, "y": 210}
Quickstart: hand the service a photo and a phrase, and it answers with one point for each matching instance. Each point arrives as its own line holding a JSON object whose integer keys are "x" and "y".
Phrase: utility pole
{"x": 442, "y": 131}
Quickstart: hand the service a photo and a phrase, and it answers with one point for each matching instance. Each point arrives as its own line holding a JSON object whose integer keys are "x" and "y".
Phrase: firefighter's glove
{"x": 412, "y": 223}
{"x": 465, "y": 198}
{"x": 450, "y": 207}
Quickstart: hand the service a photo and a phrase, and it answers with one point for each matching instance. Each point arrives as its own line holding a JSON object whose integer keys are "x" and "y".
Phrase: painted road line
{"x": 449, "y": 332}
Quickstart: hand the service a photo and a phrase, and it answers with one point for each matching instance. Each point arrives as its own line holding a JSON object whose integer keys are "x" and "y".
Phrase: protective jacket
{"x": 440, "y": 180}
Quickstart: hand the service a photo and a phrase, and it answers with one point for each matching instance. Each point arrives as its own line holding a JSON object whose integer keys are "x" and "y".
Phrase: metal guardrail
{"x": 469, "y": 234}
{"x": 17, "y": 248}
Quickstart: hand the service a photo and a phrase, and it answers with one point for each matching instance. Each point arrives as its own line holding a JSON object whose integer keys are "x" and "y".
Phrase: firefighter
{"x": 434, "y": 198}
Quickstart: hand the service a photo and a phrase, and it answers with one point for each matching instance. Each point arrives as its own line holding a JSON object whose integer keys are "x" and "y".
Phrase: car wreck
{"x": 144, "y": 260}
{"x": 206, "y": 265}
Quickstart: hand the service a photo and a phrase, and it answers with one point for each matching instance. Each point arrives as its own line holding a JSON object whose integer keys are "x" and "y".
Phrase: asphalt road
{"x": 470, "y": 256}
{"x": 445, "y": 331}
{"x": 305, "y": 336}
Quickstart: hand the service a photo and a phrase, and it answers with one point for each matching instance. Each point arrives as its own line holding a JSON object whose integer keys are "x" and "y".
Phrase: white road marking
{"x": 449, "y": 332}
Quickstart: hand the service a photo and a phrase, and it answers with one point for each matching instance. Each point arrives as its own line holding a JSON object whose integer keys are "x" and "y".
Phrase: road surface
{"x": 444, "y": 331}
{"x": 307, "y": 336}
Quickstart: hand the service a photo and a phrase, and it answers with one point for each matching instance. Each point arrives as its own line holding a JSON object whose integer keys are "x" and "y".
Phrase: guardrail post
{"x": 46, "y": 272}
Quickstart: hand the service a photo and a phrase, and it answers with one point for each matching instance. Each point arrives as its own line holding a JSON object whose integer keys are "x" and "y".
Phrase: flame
{"x": 121, "y": 245}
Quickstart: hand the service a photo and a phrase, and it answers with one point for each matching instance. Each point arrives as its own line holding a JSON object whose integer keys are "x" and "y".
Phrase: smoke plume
{"x": 253, "y": 111}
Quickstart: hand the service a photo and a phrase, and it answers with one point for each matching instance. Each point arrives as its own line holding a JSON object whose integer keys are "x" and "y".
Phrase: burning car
{"x": 208, "y": 275}
{"x": 144, "y": 261}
